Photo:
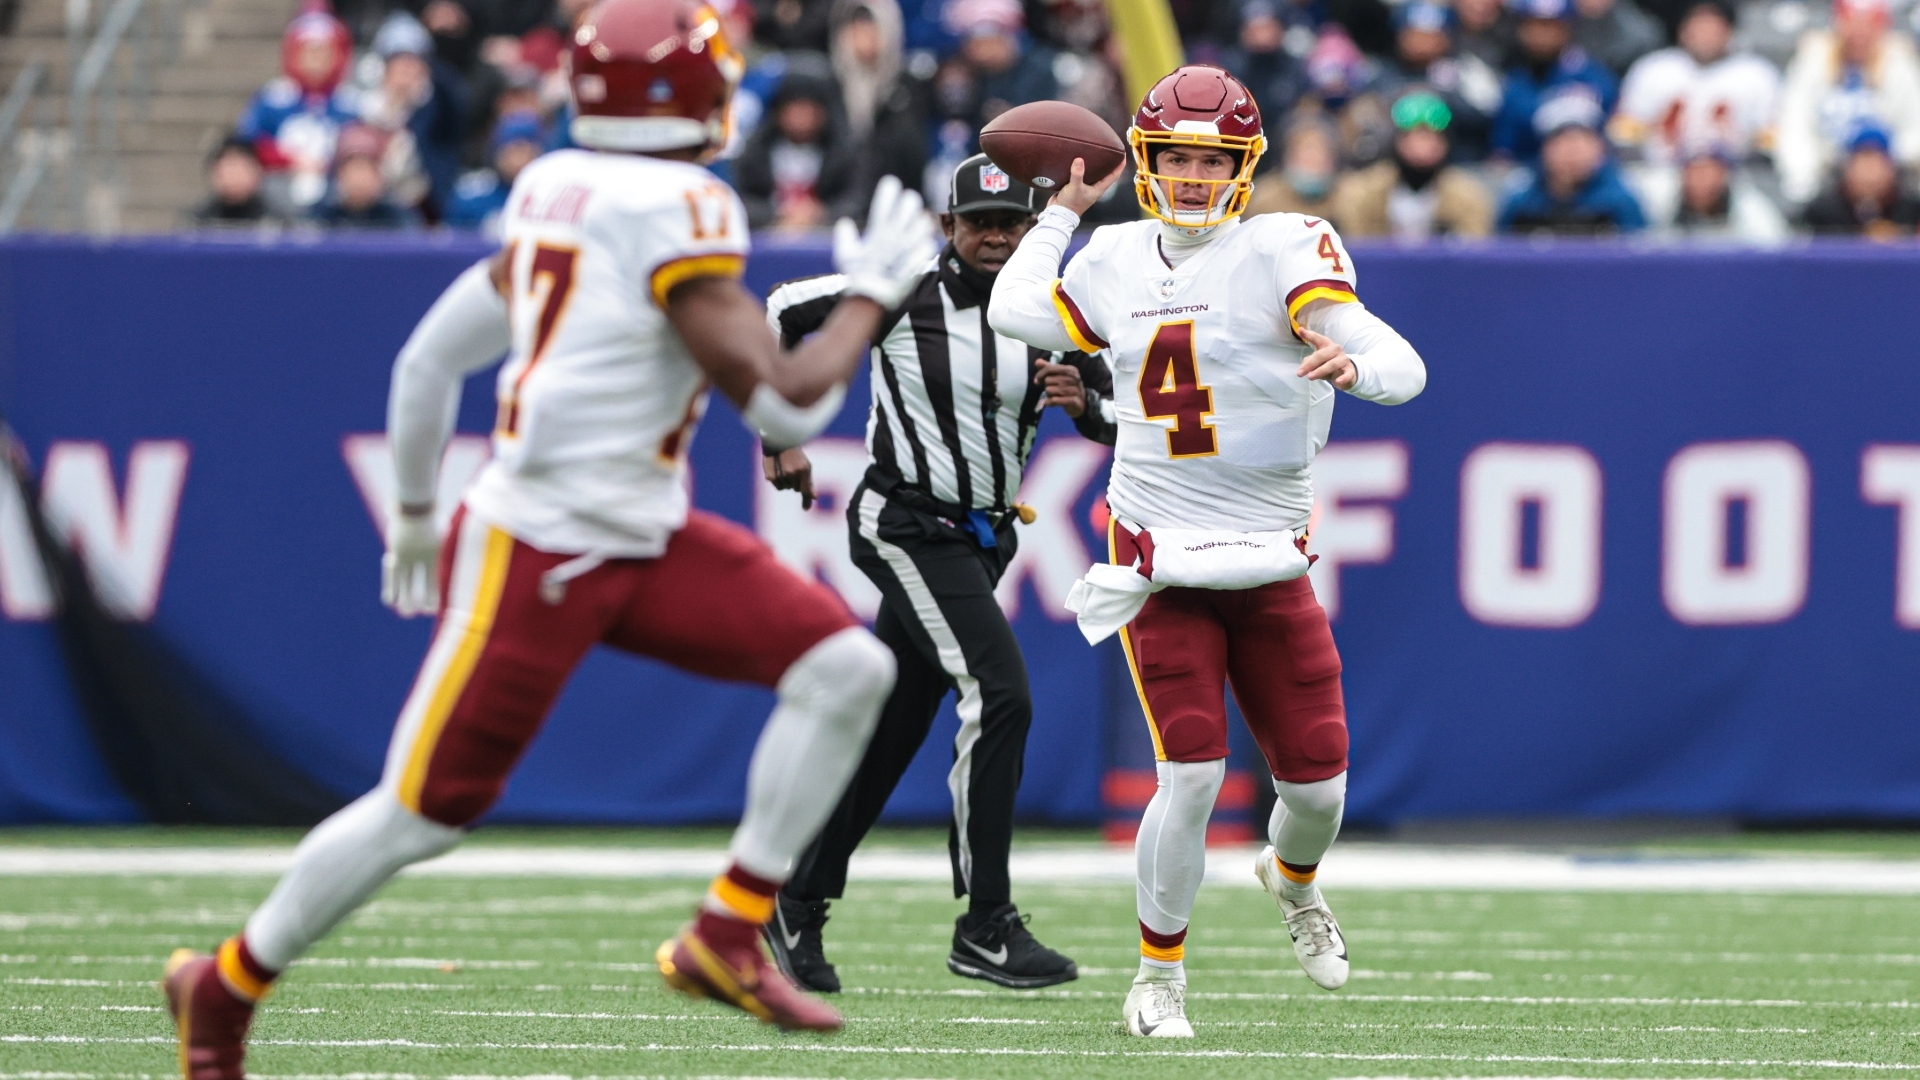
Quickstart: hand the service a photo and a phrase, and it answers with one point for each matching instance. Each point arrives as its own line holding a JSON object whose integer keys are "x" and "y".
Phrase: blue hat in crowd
{"x": 516, "y": 127}
{"x": 1543, "y": 9}
{"x": 1423, "y": 15}
{"x": 1868, "y": 134}
{"x": 1572, "y": 106}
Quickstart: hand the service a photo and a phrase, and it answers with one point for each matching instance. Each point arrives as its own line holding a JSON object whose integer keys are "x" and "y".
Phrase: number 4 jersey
{"x": 599, "y": 397}
{"x": 1216, "y": 431}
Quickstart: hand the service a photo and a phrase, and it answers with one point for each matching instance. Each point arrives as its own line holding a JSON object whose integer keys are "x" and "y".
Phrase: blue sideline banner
{"x": 1649, "y": 544}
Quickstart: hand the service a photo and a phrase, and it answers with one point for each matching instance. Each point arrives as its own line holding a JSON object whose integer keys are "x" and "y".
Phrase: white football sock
{"x": 1170, "y": 853}
{"x": 1171, "y": 970}
{"x": 1305, "y": 820}
{"x": 829, "y": 701}
{"x": 336, "y": 868}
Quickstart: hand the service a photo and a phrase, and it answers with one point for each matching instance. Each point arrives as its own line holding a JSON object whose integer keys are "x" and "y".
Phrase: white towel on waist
{"x": 1108, "y": 596}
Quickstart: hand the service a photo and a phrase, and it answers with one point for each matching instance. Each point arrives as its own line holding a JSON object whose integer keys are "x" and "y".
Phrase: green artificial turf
{"x": 553, "y": 977}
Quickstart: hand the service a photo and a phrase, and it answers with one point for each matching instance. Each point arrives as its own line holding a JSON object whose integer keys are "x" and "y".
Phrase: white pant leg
{"x": 1306, "y": 818}
{"x": 1170, "y": 853}
{"x": 830, "y": 700}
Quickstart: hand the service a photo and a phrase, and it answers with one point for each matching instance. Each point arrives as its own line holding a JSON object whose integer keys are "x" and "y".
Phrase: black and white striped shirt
{"x": 954, "y": 406}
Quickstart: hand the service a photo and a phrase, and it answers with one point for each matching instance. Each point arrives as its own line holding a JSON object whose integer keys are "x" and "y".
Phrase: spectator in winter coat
{"x": 886, "y": 111}
{"x": 1486, "y": 30}
{"x": 1867, "y": 195}
{"x": 480, "y": 196}
{"x": 1697, "y": 93}
{"x": 798, "y": 173}
{"x": 793, "y": 25}
{"x": 1616, "y": 32}
{"x": 1414, "y": 194}
{"x": 294, "y": 121}
{"x": 238, "y": 195}
{"x": 1309, "y": 165}
{"x": 1575, "y": 189}
{"x": 1548, "y": 61}
{"x": 997, "y": 69}
{"x": 359, "y": 199}
{"x": 420, "y": 103}
{"x": 1861, "y": 72}
{"x": 1261, "y": 61}
{"x": 1426, "y": 58}
{"x": 1711, "y": 197}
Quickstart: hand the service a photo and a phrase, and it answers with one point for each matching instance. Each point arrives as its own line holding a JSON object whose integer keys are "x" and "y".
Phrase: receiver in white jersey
{"x": 1216, "y": 431}
{"x": 599, "y": 397}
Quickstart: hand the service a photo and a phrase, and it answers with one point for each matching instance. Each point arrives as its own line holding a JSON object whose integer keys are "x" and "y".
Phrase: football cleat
{"x": 1158, "y": 1008}
{"x": 1002, "y": 950}
{"x": 742, "y": 978}
{"x": 793, "y": 938}
{"x": 210, "y": 1020}
{"x": 1317, "y": 941}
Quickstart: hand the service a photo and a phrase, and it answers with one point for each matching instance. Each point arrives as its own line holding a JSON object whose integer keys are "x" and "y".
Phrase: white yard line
{"x": 995, "y": 1051}
{"x": 1351, "y": 866}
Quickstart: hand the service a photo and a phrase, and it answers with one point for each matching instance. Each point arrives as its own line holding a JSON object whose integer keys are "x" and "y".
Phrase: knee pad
{"x": 848, "y": 674}
{"x": 1322, "y": 799}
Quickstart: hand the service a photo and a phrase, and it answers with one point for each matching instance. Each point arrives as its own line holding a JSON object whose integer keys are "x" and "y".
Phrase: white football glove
{"x": 884, "y": 264}
{"x": 410, "y": 570}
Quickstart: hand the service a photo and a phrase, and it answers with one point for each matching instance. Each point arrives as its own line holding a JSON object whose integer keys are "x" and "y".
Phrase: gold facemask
{"x": 1155, "y": 192}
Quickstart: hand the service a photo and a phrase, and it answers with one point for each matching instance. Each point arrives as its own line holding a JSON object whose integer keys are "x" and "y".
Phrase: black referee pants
{"x": 938, "y": 615}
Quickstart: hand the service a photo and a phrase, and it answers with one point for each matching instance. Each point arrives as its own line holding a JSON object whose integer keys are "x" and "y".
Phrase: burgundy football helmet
{"x": 1196, "y": 105}
{"x": 652, "y": 75}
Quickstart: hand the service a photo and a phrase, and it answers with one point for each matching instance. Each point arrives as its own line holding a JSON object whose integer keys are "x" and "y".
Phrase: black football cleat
{"x": 1002, "y": 950}
{"x": 793, "y": 937}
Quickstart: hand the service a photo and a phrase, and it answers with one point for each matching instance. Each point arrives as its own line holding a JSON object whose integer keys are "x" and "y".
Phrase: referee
{"x": 954, "y": 413}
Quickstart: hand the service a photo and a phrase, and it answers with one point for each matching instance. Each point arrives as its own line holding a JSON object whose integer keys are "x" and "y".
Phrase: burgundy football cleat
{"x": 743, "y": 978}
{"x": 210, "y": 1019}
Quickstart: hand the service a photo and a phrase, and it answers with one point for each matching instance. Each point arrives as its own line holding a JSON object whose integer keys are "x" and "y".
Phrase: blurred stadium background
{"x": 1638, "y": 575}
{"x": 1646, "y": 549}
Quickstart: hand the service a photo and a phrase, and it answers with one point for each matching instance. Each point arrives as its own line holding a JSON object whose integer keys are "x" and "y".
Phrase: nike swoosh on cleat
{"x": 999, "y": 959}
{"x": 791, "y": 939}
{"x": 1145, "y": 1028}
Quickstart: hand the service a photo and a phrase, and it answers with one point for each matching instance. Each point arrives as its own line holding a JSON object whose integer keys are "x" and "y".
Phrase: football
{"x": 1036, "y": 143}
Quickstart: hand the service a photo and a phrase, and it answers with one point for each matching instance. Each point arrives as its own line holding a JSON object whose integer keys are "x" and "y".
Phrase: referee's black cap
{"x": 979, "y": 184}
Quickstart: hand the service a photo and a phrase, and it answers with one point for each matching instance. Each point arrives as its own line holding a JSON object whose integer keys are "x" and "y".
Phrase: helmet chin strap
{"x": 1178, "y": 229}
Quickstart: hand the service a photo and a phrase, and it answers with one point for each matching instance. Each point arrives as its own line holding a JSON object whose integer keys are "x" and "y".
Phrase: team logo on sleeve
{"x": 992, "y": 180}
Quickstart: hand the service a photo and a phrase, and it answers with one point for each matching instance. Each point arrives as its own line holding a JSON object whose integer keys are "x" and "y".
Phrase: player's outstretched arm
{"x": 1023, "y": 305}
{"x": 1357, "y": 351}
{"x": 789, "y": 396}
{"x": 465, "y": 330}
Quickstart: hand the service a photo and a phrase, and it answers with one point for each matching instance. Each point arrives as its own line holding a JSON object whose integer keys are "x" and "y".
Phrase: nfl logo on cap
{"x": 992, "y": 180}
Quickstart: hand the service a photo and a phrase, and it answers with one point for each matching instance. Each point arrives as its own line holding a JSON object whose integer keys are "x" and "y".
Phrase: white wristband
{"x": 781, "y": 423}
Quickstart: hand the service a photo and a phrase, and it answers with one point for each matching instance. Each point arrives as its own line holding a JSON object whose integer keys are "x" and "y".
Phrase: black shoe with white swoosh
{"x": 793, "y": 937}
{"x": 1000, "y": 949}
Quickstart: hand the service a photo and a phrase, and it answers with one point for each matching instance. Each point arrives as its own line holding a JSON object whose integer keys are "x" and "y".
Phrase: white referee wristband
{"x": 780, "y": 422}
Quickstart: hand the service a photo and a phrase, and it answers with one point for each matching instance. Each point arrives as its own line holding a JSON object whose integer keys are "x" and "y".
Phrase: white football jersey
{"x": 1215, "y": 429}
{"x": 1676, "y": 105}
{"x": 599, "y": 397}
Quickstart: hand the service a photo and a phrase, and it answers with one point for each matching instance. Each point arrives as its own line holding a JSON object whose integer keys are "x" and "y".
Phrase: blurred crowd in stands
{"x": 1747, "y": 120}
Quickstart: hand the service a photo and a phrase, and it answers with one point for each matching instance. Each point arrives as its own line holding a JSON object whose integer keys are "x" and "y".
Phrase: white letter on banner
{"x": 1497, "y": 481}
{"x": 125, "y": 552}
{"x": 370, "y": 459}
{"x": 814, "y": 542}
{"x": 1344, "y": 535}
{"x": 1890, "y": 476}
{"x": 1051, "y": 551}
{"x": 25, "y": 595}
{"x": 1697, "y": 579}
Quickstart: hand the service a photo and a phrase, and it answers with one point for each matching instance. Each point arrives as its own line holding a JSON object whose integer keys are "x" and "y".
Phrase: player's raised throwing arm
{"x": 788, "y": 397}
{"x": 1024, "y": 304}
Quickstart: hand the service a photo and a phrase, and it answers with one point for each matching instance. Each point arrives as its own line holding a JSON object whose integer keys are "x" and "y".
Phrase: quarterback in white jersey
{"x": 1229, "y": 339}
{"x": 617, "y": 296}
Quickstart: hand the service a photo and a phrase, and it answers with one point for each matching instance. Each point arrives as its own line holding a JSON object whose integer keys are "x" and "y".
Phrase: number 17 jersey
{"x": 599, "y": 397}
{"x": 1216, "y": 431}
